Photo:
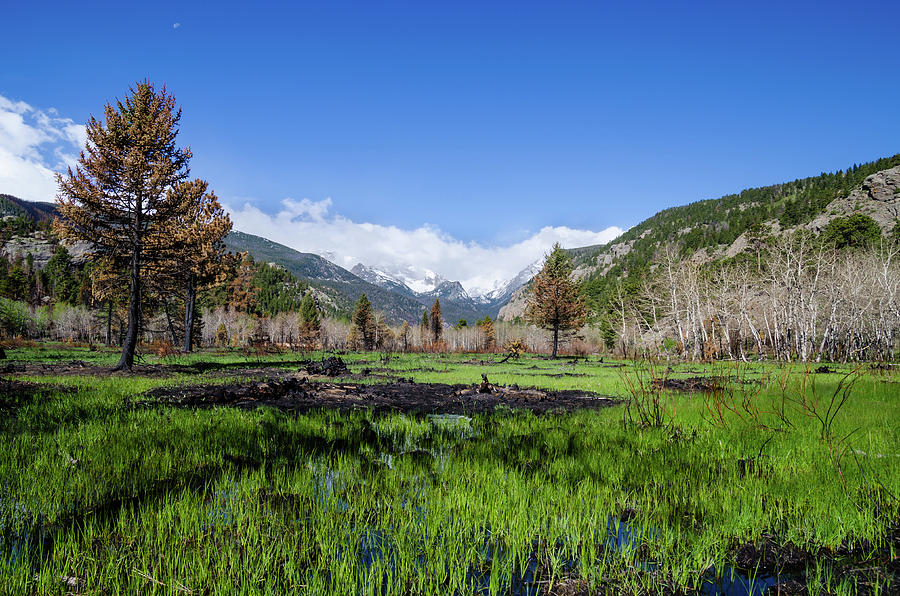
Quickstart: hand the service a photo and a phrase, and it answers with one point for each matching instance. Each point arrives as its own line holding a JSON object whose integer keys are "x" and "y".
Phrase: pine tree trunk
{"x": 134, "y": 313}
{"x": 190, "y": 297}
{"x": 109, "y": 313}
{"x": 170, "y": 324}
{"x": 555, "y": 339}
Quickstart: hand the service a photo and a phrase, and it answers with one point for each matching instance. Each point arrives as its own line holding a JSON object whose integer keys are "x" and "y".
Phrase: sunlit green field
{"x": 105, "y": 492}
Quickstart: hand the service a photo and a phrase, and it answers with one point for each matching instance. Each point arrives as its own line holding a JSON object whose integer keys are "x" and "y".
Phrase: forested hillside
{"x": 47, "y": 283}
{"x": 775, "y": 266}
{"x": 715, "y": 222}
{"x": 342, "y": 287}
{"x": 15, "y": 207}
{"x": 708, "y": 226}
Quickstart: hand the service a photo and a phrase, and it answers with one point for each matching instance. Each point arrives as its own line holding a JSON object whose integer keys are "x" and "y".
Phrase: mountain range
{"x": 389, "y": 295}
{"x": 11, "y": 206}
{"x": 339, "y": 287}
{"x": 713, "y": 229}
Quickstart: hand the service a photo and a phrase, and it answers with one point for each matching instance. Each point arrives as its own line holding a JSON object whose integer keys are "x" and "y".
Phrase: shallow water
{"x": 734, "y": 582}
{"x": 377, "y": 547}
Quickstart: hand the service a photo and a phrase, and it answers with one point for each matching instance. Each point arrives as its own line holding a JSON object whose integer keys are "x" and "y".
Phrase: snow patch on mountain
{"x": 505, "y": 289}
{"x": 426, "y": 284}
{"x": 418, "y": 280}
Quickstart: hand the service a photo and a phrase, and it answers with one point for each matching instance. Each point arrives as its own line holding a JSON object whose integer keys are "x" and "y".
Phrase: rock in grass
{"x": 330, "y": 367}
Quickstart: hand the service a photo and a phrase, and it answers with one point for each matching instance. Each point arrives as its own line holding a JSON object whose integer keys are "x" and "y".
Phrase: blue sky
{"x": 487, "y": 121}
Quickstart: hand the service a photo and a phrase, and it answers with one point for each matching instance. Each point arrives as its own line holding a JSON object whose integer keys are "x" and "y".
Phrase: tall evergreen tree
{"x": 488, "y": 333}
{"x": 756, "y": 235}
{"x": 437, "y": 322}
{"x": 554, "y": 303}
{"x": 424, "y": 327}
{"x": 198, "y": 253}
{"x": 309, "y": 314}
{"x": 62, "y": 281}
{"x": 118, "y": 196}
{"x": 364, "y": 322}
{"x": 242, "y": 292}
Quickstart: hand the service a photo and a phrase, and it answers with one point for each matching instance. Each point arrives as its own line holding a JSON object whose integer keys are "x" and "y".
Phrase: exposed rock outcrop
{"x": 878, "y": 197}
{"x": 42, "y": 248}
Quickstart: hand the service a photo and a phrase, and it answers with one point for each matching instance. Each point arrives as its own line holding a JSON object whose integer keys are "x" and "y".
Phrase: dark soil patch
{"x": 78, "y": 367}
{"x": 81, "y": 368}
{"x": 571, "y": 587}
{"x": 771, "y": 557}
{"x": 478, "y": 362}
{"x": 299, "y": 395}
{"x": 864, "y": 567}
{"x": 690, "y": 384}
{"x": 329, "y": 367}
{"x": 560, "y": 375}
{"x": 790, "y": 587}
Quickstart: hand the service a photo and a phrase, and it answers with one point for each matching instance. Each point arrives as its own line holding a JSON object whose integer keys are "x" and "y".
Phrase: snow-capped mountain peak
{"x": 505, "y": 289}
{"x": 450, "y": 290}
{"x": 423, "y": 284}
{"x": 381, "y": 279}
{"x": 418, "y": 280}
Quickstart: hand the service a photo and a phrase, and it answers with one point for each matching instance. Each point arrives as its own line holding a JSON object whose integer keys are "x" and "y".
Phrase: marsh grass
{"x": 102, "y": 493}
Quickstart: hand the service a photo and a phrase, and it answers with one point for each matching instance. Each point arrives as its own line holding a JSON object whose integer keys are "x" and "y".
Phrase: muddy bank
{"x": 863, "y": 566}
{"x": 81, "y": 368}
{"x": 297, "y": 394}
{"x": 690, "y": 384}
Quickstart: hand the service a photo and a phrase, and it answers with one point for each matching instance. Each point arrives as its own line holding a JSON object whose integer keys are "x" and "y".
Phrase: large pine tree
{"x": 364, "y": 324}
{"x": 424, "y": 327}
{"x": 554, "y": 302}
{"x": 310, "y": 323}
{"x": 437, "y": 322}
{"x": 488, "y": 333}
{"x": 118, "y": 196}
{"x": 198, "y": 249}
{"x": 242, "y": 292}
{"x": 309, "y": 314}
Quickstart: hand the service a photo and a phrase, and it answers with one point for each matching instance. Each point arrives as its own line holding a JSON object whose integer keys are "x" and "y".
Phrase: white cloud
{"x": 34, "y": 144}
{"x": 307, "y": 226}
{"x": 176, "y": 25}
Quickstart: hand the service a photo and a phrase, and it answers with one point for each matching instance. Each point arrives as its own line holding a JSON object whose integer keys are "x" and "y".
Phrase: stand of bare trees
{"x": 808, "y": 303}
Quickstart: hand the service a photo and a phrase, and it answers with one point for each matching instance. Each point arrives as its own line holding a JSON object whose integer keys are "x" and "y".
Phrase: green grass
{"x": 122, "y": 497}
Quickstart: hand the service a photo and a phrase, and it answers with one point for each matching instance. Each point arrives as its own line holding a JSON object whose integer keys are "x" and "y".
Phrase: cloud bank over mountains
{"x": 34, "y": 144}
{"x": 309, "y": 226}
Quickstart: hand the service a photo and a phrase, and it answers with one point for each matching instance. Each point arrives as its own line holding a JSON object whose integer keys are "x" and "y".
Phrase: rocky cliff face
{"x": 516, "y": 305}
{"x": 878, "y": 197}
{"x": 41, "y": 249}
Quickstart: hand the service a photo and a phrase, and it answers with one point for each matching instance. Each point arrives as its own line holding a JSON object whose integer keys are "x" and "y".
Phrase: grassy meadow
{"x": 104, "y": 491}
